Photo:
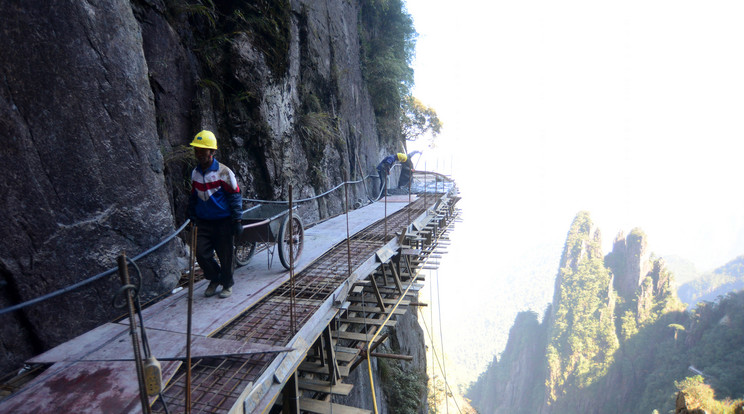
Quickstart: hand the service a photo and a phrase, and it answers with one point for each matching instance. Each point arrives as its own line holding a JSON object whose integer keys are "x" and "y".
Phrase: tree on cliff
{"x": 388, "y": 44}
{"x": 418, "y": 119}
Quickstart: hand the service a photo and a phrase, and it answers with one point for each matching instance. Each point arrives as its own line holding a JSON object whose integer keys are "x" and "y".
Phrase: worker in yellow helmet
{"x": 406, "y": 171}
{"x": 216, "y": 206}
{"x": 383, "y": 169}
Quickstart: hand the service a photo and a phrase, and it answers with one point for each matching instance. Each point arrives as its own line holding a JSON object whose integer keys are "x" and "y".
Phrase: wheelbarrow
{"x": 269, "y": 225}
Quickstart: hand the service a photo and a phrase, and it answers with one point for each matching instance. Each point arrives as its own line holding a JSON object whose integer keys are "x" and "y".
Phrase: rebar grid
{"x": 217, "y": 383}
{"x": 268, "y": 321}
{"x": 319, "y": 280}
{"x": 398, "y": 221}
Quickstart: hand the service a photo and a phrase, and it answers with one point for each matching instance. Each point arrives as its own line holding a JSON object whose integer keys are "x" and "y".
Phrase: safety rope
{"x": 90, "y": 279}
{"x": 148, "y": 251}
{"x": 379, "y": 195}
{"x": 439, "y": 363}
{"x": 441, "y": 336}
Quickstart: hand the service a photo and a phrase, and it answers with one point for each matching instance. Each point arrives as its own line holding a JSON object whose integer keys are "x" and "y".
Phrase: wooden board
{"x": 322, "y": 369}
{"x": 354, "y": 336}
{"x": 81, "y": 388}
{"x": 323, "y": 407}
{"x": 84, "y": 344}
{"x": 368, "y": 321}
{"x": 371, "y": 299}
{"x": 324, "y": 386}
{"x": 164, "y": 345}
{"x": 374, "y": 309}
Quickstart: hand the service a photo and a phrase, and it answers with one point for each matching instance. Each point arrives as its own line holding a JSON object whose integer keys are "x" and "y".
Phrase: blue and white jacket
{"x": 215, "y": 193}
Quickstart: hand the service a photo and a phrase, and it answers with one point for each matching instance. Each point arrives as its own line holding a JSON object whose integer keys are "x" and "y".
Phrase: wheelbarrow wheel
{"x": 297, "y": 236}
{"x": 244, "y": 252}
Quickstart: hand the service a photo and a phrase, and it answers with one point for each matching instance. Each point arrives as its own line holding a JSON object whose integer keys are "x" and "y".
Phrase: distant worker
{"x": 383, "y": 169}
{"x": 406, "y": 171}
{"x": 216, "y": 207}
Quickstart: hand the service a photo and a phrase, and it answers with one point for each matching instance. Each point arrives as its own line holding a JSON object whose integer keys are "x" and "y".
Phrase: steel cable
{"x": 141, "y": 255}
{"x": 90, "y": 279}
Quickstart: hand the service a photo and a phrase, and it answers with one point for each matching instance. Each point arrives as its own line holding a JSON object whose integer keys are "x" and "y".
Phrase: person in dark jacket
{"x": 383, "y": 169}
{"x": 216, "y": 206}
{"x": 406, "y": 171}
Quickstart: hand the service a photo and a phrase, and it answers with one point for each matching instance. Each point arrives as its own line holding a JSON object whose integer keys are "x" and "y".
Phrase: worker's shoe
{"x": 226, "y": 292}
{"x": 211, "y": 289}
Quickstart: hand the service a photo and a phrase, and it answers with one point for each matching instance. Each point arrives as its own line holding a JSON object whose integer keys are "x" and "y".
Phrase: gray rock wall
{"x": 630, "y": 262}
{"x": 84, "y": 173}
{"x": 98, "y": 103}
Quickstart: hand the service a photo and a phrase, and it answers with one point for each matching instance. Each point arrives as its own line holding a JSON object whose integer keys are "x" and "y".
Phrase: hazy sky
{"x": 631, "y": 110}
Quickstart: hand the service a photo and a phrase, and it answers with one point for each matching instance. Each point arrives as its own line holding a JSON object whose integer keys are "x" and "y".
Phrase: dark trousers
{"x": 405, "y": 177}
{"x": 383, "y": 173}
{"x": 215, "y": 236}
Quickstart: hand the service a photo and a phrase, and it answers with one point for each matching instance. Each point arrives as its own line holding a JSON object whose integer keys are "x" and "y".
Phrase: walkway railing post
{"x": 124, "y": 276}
{"x": 348, "y": 237}
{"x": 192, "y": 258}
{"x": 384, "y": 237}
{"x": 292, "y": 316}
{"x": 426, "y": 188}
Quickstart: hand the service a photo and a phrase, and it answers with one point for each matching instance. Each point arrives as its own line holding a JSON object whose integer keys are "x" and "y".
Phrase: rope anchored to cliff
{"x": 112, "y": 270}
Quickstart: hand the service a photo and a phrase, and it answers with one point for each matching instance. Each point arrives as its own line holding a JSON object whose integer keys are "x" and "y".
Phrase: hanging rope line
{"x": 441, "y": 369}
{"x": 441, "y": 336}
{"x": 156, "y": 247}
{"x": 90, "y": 279}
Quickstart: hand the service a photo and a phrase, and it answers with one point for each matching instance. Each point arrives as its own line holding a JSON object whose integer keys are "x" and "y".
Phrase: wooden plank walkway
{"x": 84, "y": 378}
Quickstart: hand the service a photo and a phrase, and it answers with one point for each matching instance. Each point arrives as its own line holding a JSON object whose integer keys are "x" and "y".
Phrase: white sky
{"x": 631, "y": 110}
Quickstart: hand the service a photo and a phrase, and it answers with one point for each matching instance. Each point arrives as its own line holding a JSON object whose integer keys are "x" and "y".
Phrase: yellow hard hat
{"x": 205, "y": 139}
{"x": 402, "y": 157}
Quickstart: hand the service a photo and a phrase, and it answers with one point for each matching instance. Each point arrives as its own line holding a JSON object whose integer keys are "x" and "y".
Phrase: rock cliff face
{"x": 518, "y": 387}
{"x": 584, "y": 357}
{"x": 629, "y": 261}
{"x": 98, "y": 102}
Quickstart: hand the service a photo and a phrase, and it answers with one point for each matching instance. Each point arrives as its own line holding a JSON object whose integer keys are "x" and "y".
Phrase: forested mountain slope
{"x": 616, "y": 338}
{"x": 709, "y": 286}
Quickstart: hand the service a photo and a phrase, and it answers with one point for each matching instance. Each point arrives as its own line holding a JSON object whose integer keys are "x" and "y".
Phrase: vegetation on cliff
{"x": 388, "y": 40}
{"x": 710, "y": 285}
{"x": 402, "y": 385}
{"x": 581, "y": 340}
{"x": 611, "y": 353}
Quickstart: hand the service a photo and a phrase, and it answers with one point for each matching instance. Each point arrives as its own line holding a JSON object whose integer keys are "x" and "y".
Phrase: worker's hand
{"x": 237, "y": 228}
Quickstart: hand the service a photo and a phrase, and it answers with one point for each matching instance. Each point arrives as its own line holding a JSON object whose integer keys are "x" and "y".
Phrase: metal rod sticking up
{"x": 292, "y": 316}
{"x": 410, "y": 181}
{"x": 189, "y": 316}
{"x": 426, "y": 186}
{"x": 385, "y": 219}
{"x": 348, "y": 237}
{"x": 124, "y": 276}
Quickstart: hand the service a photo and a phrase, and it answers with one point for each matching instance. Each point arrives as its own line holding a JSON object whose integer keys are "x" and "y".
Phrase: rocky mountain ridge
{"x": 582, "y": 356}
